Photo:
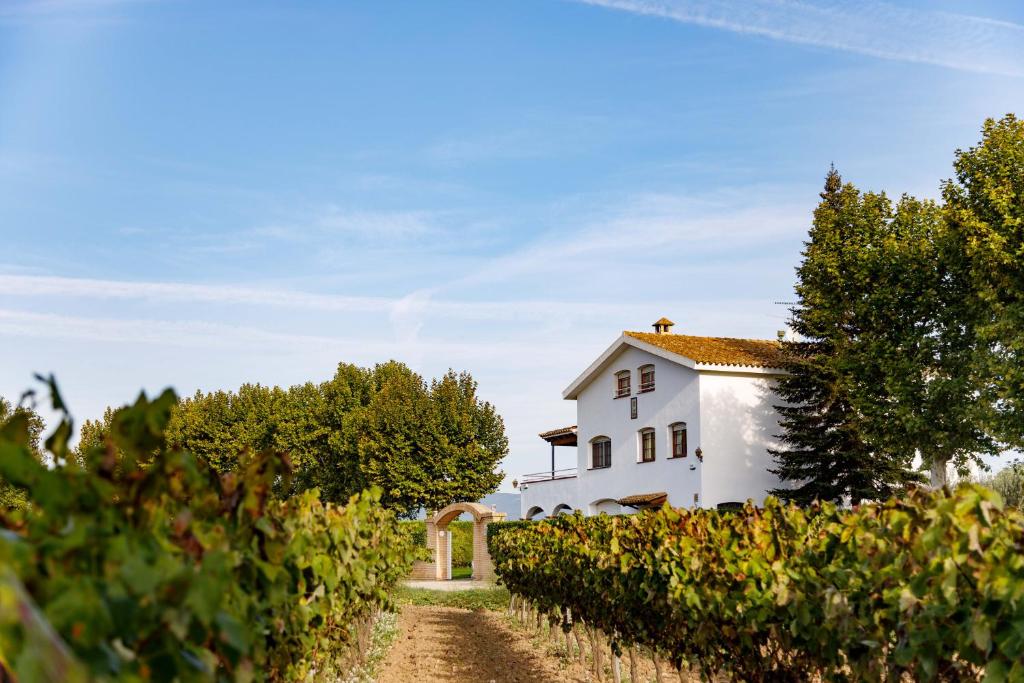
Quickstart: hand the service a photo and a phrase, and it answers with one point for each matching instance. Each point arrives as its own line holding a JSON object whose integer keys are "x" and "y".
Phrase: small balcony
{"x": 550, "y": 475}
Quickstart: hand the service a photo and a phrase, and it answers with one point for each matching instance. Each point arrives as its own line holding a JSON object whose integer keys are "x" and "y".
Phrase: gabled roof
{"x": 708, "y": 354}
{"x": 757, "y": 353}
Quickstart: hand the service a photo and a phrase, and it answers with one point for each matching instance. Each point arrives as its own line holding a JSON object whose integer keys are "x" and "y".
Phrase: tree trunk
{"x": 595, "y": 652}
{"x": 939, "y": 470}
{"x": 634, "y": 673}
{"x": 579, "y": 641}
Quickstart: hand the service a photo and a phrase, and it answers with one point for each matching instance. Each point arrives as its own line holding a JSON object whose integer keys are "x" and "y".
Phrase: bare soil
{"x": 454, "y": 645}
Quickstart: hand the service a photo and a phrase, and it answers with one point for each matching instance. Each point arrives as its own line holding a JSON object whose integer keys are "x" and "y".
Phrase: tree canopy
{"x": 985, "y": 213}
{"x": 912, "y": 318}
{"x": 10, "y": 495}
{"x": 426, "y": 445}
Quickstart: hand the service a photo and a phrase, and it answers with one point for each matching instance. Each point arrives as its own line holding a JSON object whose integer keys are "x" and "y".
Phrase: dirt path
{"x": 452, "y": 645}
{"x": 457, "y": 645}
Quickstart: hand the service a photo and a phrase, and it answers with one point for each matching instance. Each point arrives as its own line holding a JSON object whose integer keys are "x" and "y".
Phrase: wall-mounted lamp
{"x": 699, "y": 453}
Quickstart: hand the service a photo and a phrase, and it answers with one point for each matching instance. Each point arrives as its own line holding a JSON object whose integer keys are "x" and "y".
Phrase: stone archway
{"x": 437, "y": 542}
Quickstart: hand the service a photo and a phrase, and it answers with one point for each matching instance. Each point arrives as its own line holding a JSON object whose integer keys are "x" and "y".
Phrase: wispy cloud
{"x": 619, "y": 234}
{"x": 405, "y": 310}
{"x": 877, "y": 29}
{"x": 210, "y": 336}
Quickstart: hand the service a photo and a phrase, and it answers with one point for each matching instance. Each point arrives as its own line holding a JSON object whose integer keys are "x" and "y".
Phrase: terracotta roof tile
{"x": 643, "y": 499}
{"x": 558, "y": 432}
{"x": 759, "y": 353}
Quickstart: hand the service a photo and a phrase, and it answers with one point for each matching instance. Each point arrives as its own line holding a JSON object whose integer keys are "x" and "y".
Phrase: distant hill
{"x": 502, "y": 502}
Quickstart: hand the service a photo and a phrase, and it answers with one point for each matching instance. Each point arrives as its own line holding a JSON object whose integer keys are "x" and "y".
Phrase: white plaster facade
{"x": 728, "y": 412}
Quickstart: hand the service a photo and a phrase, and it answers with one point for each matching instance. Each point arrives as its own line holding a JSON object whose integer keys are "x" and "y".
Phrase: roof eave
{"x": 572, "y": 391}
{"x": 734, "y": 369}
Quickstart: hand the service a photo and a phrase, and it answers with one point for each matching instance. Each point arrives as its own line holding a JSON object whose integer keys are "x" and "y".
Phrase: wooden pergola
{"x": 563, "y": 436}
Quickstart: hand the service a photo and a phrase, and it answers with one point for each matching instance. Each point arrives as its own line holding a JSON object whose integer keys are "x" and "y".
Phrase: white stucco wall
{"x": 548, "y": 495}
{"x": 729, "y": 415}
{"x": 739, "y": 424}
{"x": 674, "y": 399}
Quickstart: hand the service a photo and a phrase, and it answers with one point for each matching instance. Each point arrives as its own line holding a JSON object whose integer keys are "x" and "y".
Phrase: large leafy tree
{"x": 913, "y": 358}
{"x": 425, "y": 445}
{"x": 428, "y": 446}
{"x": 827, "y": 452}
{"x": 985, "y": 209}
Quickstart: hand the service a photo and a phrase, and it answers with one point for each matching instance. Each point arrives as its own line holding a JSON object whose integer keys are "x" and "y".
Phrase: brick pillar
{"x": 482, "y": 568}
{"x": 441, "y": 554}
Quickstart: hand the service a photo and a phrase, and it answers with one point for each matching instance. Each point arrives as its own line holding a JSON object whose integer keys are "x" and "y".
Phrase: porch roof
{"x": 643, "y": 500}
{"x": 563, "y": 436}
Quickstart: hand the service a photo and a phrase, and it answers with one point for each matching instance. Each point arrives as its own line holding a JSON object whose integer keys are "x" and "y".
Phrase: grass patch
{"x": 476, "y": 599}
{"x": 462, "y": 572}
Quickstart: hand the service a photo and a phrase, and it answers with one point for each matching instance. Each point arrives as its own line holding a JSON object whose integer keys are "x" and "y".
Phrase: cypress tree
{"x": 827, "y": 454}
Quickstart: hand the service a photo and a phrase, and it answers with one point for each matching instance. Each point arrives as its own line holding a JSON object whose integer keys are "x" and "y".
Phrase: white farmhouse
{"x": 663, "y": 416}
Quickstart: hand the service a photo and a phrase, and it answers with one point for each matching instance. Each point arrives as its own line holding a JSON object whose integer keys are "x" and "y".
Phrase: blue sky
{"x": 202, "y": 194}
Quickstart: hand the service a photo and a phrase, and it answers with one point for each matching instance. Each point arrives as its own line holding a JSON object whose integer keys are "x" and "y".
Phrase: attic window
{"x": 646, "y": 378}
{"x": 622, "y": 387}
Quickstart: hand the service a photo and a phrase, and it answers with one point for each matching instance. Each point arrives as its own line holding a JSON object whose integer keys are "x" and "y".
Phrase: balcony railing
{"x": 548, "y": 476}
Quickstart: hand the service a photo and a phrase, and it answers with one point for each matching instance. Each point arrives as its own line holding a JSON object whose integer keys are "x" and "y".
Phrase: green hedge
{"x": 495, "y": 528}
{"x": 148, "y": 566}
{"x": 930, "y": 586}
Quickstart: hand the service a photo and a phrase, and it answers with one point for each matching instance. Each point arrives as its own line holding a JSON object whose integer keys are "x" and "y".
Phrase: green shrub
{"x": 477, "y": 599}
{"x": 416, "y": 529}
{"x": 930, "y": 586}
{"x": 462, "y": 542}
{"x": 150, "y": 566}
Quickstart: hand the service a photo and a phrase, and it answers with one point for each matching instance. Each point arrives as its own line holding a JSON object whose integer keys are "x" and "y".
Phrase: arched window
{"x": 677, "y": 433}
{"x": 622, "y": 387}
{"x": 646, "y": 378}
{"x": 600, "y": 452}
{"x": 647, "y": 440}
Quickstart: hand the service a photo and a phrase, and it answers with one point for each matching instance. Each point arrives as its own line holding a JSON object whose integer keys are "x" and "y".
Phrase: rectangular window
{"x": 622, "y": 387}
{"x": 678, "y": 441}
{"x": 647, "y": 378}
{"x": 647, "y": 446}
{"x": 602, "y": 454}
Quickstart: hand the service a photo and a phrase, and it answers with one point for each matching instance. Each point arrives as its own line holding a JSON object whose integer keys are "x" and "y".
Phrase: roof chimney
{"x": 663, "y": 326}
